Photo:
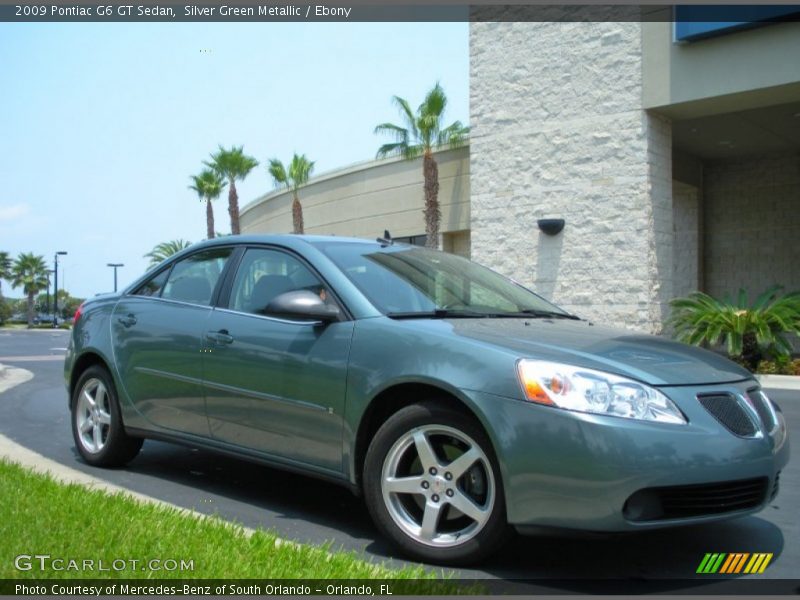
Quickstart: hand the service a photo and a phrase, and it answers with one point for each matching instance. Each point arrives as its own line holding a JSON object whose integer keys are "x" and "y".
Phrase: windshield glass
{"x": 406, "y": 280}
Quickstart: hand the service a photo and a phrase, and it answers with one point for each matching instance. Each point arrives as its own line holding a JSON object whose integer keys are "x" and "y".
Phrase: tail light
{"x": 77, "y": 315}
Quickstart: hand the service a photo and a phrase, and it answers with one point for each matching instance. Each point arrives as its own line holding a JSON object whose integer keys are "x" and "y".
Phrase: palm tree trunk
{"x": 30, "y": 310}
{"x": 233, "y": 207}
{"x": 297, "y": 215}
{"x": 209, "y": 219}
{"x": 433, "y": 215}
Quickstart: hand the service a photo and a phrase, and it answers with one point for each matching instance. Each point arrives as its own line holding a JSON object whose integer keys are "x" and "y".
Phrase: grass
{"x": 39, "y": 515}
{"x": 24, "y": 326}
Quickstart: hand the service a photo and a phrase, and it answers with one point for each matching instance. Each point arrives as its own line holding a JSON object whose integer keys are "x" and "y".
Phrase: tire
{"x": 97, "y": 422}
{"x": 418, "y": 508}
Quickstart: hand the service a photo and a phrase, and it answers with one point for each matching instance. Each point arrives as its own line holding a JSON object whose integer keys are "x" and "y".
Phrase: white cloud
{"x": 13, "y": 212}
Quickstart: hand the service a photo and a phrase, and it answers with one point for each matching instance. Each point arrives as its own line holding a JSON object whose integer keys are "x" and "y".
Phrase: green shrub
{"x": 750, "y": 332}
{"x": 5, "y": 311}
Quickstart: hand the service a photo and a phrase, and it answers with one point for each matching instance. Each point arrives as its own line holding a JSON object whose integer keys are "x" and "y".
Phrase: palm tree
{"x": 166, "y": 249}
{"x": 5, "y": 269}
{"x": 30, "y": 273}
{"x": 293, "y": 178}
{"x": 422, "y": 134}
{"x": 232, "y": 165}
{"x": 208, "y": 185}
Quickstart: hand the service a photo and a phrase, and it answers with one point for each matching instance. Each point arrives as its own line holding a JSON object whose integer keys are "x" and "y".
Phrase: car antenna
{"x": 386, "y": 240}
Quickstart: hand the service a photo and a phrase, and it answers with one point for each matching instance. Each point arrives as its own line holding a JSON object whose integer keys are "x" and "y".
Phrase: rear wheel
{"x": 432, "y": 485}
{"x": 97, "y": 423}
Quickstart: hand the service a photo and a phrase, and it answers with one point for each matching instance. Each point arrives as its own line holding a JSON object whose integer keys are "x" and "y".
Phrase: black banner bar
{"x": 706, "y": 585}
{"x": 359, "y": 12}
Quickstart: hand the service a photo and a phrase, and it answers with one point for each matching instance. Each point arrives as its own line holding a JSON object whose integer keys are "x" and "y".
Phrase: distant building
{"x": 365, "y": 199}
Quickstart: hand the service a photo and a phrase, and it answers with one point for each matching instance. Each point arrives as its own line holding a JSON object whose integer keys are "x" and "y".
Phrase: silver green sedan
{"x": 459, "y": 404}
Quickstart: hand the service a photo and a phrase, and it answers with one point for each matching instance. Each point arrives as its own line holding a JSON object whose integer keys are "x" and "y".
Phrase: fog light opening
{"x": 643, "y": 505}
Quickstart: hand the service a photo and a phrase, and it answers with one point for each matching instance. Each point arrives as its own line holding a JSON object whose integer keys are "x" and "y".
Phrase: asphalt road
{"x": 35, "y": 415}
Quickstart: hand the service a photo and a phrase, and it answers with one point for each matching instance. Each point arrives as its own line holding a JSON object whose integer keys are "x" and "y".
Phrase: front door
{"x": 274, "y": 385}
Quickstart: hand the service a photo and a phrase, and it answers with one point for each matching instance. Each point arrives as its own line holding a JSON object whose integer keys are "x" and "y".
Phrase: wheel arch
{"x": 86, "y": 360}
{"x": 397, "y": 396}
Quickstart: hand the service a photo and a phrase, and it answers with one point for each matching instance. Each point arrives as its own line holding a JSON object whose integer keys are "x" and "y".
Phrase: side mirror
{"x": 302, "y": 304}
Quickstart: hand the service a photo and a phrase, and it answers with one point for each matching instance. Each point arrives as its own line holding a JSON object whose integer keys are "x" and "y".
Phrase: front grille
{"x": 681, "y": 502}
{"x": 759, "y": 402}
{"x": 727, "y": 410}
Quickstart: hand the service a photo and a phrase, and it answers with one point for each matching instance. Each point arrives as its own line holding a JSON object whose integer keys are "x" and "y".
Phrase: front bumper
{"x": 573, "y": 470}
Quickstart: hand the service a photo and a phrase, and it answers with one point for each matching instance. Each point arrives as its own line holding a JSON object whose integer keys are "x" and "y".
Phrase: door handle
{"x": 128, "y": 321}
{"x": 221, "y": 337}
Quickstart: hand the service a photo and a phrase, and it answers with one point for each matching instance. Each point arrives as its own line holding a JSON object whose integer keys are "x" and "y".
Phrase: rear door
{"x": 274, "y": 385}
{"x": 158, "y": 339}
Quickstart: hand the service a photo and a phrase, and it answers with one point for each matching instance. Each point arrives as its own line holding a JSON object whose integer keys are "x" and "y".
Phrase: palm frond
{"x": 164, "y": 250}
{"x": 453, "y": 136}
{"x": 700, "y": 319}
{"x": 278, "y": 172}
{"x": 399, "y": 133}
{"x": 435, "y": 102}
{"x": 300, "y": 170}
{"x": 232, "y": 164}
{"x": 407, "y": 114}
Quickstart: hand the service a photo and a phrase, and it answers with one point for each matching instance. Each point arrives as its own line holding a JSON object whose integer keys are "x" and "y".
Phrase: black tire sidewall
{"x": 119, "y": 448}
{"x": 494, "y": 532}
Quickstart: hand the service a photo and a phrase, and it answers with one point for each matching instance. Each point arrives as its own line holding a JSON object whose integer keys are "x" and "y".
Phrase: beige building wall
{"x": 365, "y": 199}
{"x": 732, "y": 72}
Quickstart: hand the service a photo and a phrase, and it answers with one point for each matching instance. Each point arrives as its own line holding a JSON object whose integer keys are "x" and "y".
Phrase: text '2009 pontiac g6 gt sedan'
{"x": 458, "y": 403}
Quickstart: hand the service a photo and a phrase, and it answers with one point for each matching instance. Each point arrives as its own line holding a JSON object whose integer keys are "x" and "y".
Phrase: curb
{"x": 16, "y": 453}
{"x": 780, "y": 382}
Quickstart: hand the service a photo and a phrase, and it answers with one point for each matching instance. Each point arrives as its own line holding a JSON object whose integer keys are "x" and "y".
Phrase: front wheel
{"x": 432, "y": 485}
{"x": 97, "y": 422}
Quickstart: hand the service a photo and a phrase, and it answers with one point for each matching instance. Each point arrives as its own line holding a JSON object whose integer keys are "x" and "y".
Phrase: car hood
{"x": 647, "y": 358}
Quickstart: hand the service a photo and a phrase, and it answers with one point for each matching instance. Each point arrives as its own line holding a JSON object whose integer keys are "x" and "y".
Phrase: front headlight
{"x": 586, "y": 390}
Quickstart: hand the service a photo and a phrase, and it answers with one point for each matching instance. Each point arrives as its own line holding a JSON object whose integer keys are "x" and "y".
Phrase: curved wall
{"x": 365, "y": 199}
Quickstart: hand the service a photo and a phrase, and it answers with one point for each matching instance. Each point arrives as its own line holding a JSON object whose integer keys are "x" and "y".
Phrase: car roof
{"x": 285, "y": 239}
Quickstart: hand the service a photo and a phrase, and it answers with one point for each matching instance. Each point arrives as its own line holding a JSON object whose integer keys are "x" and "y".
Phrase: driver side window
{"x": 264, "y": 274}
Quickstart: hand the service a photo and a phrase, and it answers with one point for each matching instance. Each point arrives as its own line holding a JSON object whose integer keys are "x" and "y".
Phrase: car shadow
{"x": 255, "y": 495}
{"x": 310, "y": 510}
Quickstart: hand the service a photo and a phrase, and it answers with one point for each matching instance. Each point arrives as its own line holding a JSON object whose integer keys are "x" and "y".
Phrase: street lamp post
{"x": 115, "y": 266}
{"x": 47, "y": 308}
{"x": 55, "y": 288}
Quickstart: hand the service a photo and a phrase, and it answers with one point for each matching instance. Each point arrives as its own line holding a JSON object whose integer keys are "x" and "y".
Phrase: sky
{"x": 101, "y": 125}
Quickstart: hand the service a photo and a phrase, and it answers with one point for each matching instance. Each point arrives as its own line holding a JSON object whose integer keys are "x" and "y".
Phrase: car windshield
{"x": 407, "y": 281}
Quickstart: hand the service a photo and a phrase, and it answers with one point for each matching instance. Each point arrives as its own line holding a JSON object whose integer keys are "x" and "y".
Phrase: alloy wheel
{"x": 93, "y": 416}
{"x": 438, "y": 486}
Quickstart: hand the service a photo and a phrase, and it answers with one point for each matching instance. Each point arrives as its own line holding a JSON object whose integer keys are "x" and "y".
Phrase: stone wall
{"x": 752, "y": 224}
{"x": 558, "y": 131}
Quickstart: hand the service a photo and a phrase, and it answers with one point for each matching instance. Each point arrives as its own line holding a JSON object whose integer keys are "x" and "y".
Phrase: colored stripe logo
{"x": 735, "y": 562}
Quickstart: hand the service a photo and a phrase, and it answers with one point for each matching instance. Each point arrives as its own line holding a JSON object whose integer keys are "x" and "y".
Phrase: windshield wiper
{"x": 439, "y": 313}
{"x": 545, "y": 314}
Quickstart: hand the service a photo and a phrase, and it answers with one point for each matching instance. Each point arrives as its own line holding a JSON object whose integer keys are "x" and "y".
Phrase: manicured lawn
{"x": 41, "y": 516}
